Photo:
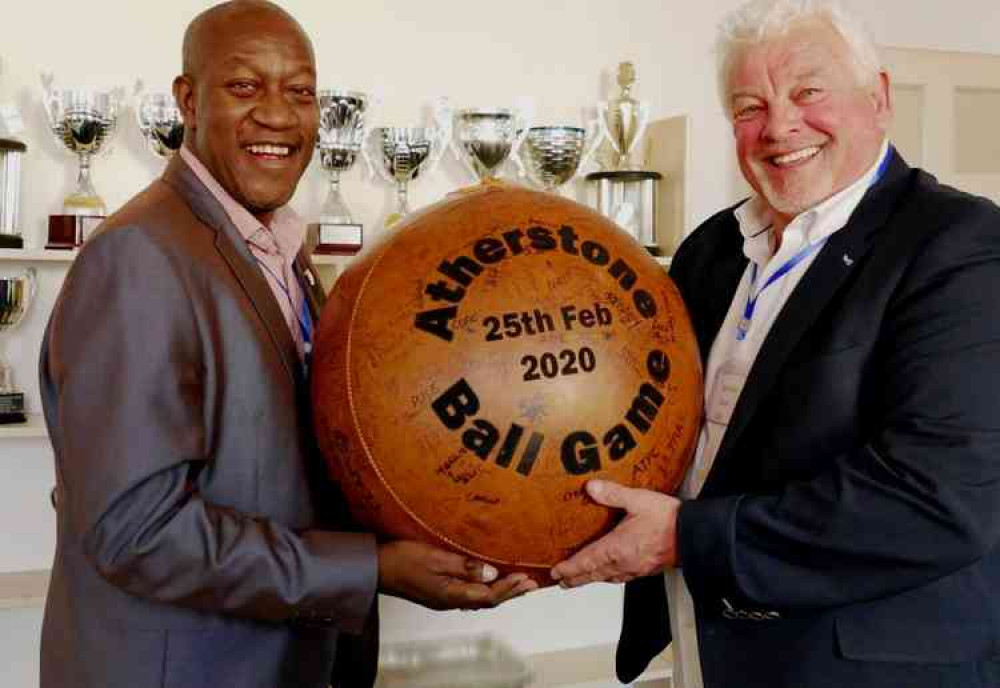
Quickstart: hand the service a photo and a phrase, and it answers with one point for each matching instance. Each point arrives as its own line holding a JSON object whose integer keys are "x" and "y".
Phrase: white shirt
{"x": 731, "y": 358}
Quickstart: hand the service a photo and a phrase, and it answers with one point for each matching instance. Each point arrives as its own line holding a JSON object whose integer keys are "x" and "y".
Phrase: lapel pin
{"x": 310, "y": 279}
{"x": 848, "y": 261}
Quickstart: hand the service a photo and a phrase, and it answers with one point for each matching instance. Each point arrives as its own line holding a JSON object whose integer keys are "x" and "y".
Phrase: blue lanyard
{"x": 744, "y": 325}
{"x": 304, "y": 317}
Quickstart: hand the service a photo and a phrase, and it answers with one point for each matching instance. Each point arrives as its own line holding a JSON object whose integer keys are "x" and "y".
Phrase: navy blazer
{"x": 847, "y": 532}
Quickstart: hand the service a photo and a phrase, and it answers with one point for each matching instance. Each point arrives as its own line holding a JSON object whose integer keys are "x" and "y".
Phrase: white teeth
{"x": 789, "y": 158}
{"x": 269, "y": 149}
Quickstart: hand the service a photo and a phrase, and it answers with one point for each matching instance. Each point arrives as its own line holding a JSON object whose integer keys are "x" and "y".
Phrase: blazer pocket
{"x": 876, "y": 639}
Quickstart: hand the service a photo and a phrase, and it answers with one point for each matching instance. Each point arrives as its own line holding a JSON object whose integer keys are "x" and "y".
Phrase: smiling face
{"x": 249, "y": 103}
{"x": 806, "y": 126}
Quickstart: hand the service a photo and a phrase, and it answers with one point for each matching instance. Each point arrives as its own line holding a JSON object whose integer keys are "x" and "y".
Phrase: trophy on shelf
{"x": 626, "y": 193}
{"x": 555, "y": 154}
{"x": 486, "y": 137}
{"x": 399, "y": 154}
{"x": 160, "y": 121}
{"x": 16, "y": 295}
{"x": 84, "y": 121}
{"x": 11, "y": 152}
{"x": 341, "y": 135}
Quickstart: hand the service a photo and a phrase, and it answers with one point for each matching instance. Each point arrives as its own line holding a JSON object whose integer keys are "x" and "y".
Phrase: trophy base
{"x": 67, "y": 232}
{"x": 11, "y": 241}
{"x": 337, "y": 239}
{"x": 12, "y": 408}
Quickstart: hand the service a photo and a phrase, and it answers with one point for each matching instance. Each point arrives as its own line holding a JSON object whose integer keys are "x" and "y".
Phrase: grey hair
{"x": 758, "y": 20}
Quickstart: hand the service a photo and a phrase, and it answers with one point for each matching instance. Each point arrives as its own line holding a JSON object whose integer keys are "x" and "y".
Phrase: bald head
{"x": 236, "y": 15}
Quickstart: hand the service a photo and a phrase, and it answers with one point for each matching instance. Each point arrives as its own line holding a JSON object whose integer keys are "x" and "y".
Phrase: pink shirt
{"x": 274, "y": 247}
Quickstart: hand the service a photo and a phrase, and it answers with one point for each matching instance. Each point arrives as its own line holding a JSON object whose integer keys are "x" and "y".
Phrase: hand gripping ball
{"x": 491, "y": 354}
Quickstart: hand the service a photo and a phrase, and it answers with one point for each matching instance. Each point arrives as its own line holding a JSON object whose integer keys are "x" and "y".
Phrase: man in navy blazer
{"x": 839, "y": 525}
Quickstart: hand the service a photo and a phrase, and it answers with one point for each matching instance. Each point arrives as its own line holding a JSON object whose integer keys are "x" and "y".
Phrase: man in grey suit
{"x": 199, "y": 543}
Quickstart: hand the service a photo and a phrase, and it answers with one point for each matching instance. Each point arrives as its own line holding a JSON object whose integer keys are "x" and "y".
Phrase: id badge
{"x": 726, "y": 390}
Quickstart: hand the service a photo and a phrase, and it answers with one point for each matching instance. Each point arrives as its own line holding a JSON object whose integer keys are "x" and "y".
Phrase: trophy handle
{"x": 604, "y": 133}
{"x": 524, "y": 115}
{"x": 456, "y": 151}
{"x": 593, "y": 139}
{"x": 443, "y": 114}
{"x": 643, "y": 117}
{"x": 47, "y": 79}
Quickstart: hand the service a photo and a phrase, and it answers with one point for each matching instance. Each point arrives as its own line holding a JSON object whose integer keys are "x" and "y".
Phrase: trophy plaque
{"x": 341, "y": 134}
{"x": 83, "y": 121}
{"x": 624, "y": 192}
{"x": 16, "y": 295}
{"x": 11, "y": 152}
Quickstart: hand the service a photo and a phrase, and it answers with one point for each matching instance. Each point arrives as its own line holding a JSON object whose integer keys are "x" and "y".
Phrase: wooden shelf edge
{"x": 23, "y": 589}
{"x": 34, "y": 429}
{"x": 36, "y": 255}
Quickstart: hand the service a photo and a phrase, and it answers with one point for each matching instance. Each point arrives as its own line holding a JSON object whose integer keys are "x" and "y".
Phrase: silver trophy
{"x": 341, "y": 135}
{"x": 486, "y": 137}
{"x": 555, "y": 154}
{"x": 16, "y": 295}
{"x": 398, "y": 154}
{"x": 83, "y": 121}
{"x": 160, "y": 121}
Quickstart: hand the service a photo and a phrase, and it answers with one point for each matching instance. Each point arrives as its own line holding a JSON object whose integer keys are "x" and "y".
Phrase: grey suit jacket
{"x": 198, "y": 540}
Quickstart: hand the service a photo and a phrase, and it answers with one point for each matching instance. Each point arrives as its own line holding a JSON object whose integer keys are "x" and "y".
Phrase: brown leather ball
{"x": 492, "y": 353}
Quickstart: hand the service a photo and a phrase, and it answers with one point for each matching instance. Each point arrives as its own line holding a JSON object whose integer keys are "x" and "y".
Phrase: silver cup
{"x": 555, "y": 154}
{"x": 341, "y": 134}
{"x": 16, "y": 295}
{"x": 83, "y": 121}
{"x": 161, "y": 123}
{"x": 399, "y": 155}
{"x": 486, "y": 136}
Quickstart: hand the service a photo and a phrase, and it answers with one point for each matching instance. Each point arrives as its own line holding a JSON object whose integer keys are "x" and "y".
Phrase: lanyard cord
{"x": 304, "y": 318}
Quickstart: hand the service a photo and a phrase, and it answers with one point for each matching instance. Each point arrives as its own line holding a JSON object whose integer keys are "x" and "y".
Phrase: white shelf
{"x": 23, "y": 589}
{"x": 33, "y": 429}
{"x": 592, "y": 667}
{"x": 35, "y": 255}
{"x": 326, "y": 259}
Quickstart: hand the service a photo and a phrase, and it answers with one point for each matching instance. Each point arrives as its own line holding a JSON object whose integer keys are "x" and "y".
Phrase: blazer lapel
{"x": 233, "y": 249}
{"x": 824, "y": 278}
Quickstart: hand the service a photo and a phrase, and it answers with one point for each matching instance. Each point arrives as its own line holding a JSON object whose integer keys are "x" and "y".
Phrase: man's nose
{"x": 275, "y": 110}
{"x": 783, "y": 120}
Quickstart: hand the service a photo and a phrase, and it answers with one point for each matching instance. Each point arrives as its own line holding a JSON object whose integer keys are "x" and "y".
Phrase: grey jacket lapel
{"x": 230, "y": 244}
{"x": 832, "y": 267}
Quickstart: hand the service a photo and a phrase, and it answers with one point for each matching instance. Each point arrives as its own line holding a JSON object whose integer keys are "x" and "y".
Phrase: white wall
{"x": 562, "y": 53}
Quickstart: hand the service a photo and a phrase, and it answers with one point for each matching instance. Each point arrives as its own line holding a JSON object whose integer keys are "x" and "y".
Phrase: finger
{"x": 464, "y": 568}
{"x": 511, "y": 586}
{"x": 480, "y": 571}
{"x": 609, "y": 494}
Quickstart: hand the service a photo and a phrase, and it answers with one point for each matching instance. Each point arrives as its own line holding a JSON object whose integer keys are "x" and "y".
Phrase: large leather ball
{"x": 492, "y": 353}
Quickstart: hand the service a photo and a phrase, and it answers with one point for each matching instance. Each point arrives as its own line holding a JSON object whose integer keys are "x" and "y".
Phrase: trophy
{"x": 83, "y": 121}
{"x": 11, "y": 152}
{"x": 626, "y": 193}
{"x": 556, "y": 153}
{"x": 399, "y": 153}
{"x": 160, "y": 122}
{"x": 486, "y": 136}
{"x": 341, "y": 133}
{"x": 16, "y": 294}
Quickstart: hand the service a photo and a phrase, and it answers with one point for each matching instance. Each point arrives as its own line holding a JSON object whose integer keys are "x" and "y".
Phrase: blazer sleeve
{"x": 917, "y": 499}
{"x": 122, "y": 376}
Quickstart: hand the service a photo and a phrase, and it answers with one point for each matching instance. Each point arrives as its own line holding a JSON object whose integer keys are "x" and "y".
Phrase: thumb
{"x": 608, "y": 493}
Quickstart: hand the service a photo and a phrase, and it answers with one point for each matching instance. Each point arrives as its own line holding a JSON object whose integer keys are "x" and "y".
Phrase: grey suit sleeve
{"x": 123, "y": 369}
{"x": 916, "y": 501}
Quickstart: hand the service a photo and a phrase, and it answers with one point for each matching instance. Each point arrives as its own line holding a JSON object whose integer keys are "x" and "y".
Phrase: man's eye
{"x": 746, "y": 112}
{"x": 809, "y": 93}
{"x": 304, "y": 91}
{"x": 242, "y": 88}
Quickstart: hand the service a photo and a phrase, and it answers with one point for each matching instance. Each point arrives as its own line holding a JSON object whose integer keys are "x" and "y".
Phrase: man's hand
{"x": 438, "y": 579}
{"x": 644, "y": 543}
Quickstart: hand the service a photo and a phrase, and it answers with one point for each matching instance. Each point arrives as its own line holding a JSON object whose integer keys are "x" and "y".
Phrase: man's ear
{"x": 882, "y": 97}
{"x": 184, "y": 95}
